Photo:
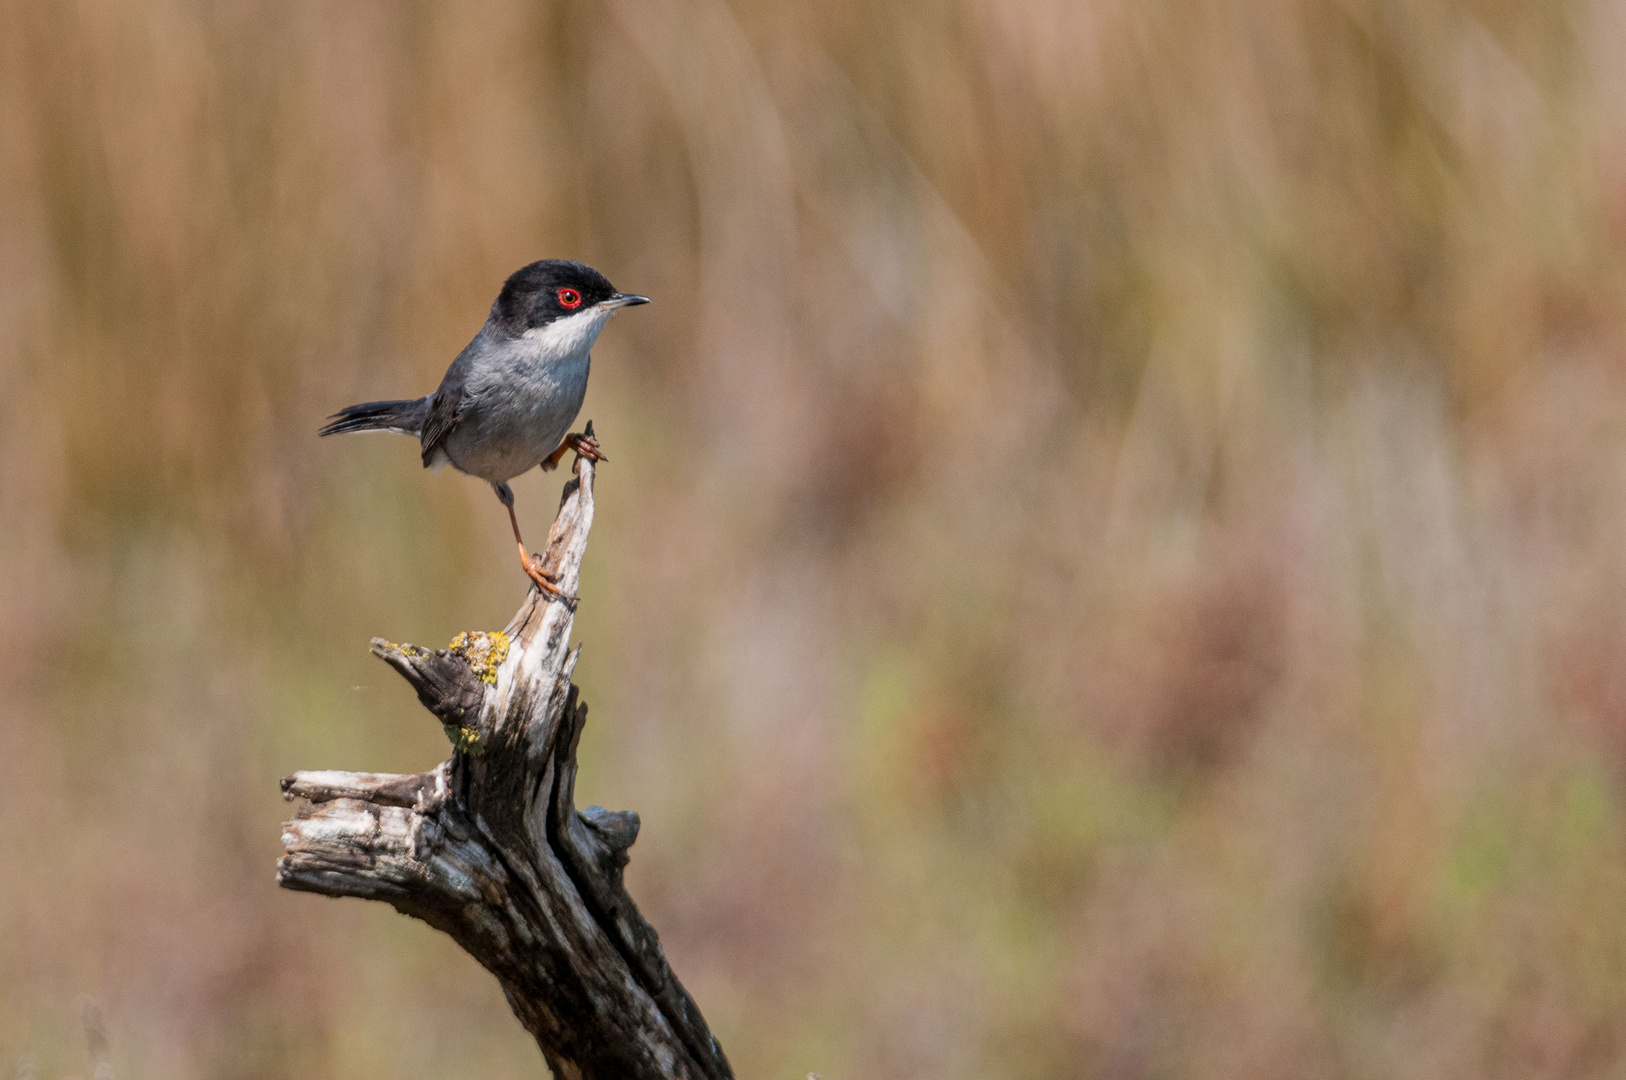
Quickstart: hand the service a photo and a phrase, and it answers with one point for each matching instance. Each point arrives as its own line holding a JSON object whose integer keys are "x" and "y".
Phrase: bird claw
{"x": 586, "y": 446}
{"x": 537, "y": 572}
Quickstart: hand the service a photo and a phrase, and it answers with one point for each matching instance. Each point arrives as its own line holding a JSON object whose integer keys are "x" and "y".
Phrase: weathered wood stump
{"x": 490, "y": 848}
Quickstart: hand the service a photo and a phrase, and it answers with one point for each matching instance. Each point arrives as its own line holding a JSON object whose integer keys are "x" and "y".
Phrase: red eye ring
{"x": 569, "y": 298}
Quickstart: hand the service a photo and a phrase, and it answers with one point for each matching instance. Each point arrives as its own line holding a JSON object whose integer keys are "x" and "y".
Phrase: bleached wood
{"x": 489, "y": 847}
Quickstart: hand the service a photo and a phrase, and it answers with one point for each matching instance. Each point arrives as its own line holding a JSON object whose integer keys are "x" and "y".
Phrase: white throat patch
{"x": 571, "y": 335}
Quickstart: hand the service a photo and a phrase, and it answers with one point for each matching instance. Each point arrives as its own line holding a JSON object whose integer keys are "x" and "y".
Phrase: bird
{"x": 506, "y": 404}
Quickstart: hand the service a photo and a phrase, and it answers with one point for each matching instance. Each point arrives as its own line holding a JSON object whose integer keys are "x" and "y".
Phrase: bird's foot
{"x": 537, "y": 572}
{"x": 584, "y": 444}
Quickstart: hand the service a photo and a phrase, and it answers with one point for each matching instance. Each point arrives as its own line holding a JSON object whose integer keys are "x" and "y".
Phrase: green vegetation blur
{"x": 1112, "y": 561}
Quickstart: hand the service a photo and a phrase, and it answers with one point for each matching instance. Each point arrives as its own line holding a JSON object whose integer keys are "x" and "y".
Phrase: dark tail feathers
{"x": 404, "y": 417}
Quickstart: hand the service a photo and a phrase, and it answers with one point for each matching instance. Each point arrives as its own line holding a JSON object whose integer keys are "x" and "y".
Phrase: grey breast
{"x": 518, "y": 410}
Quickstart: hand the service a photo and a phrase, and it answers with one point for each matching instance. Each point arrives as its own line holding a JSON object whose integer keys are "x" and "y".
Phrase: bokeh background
{"x": 1113, "y": 560}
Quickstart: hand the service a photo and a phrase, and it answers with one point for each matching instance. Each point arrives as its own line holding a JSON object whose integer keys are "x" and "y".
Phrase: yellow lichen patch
{"x": 466, "y": 739}
{"x": 484, "y": 652}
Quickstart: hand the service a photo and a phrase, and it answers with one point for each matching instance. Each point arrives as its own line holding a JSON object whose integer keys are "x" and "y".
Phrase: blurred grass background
{"x": 1113, "y": 562}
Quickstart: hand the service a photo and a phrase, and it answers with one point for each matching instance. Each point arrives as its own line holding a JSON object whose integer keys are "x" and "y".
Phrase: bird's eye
{"x": 570, "y": 298}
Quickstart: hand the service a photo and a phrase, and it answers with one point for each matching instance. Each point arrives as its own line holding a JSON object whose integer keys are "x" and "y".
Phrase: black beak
{"x": 622, "y": 299}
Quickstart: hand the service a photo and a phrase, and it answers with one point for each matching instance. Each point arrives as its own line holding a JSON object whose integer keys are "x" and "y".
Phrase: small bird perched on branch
{"x": 508, "y": 400}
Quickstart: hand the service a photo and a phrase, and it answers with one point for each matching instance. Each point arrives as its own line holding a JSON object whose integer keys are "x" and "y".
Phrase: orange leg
{"x": 530, "y": 563}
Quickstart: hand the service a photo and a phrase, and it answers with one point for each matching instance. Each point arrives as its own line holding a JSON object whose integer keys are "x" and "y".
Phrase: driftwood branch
{"x": 490, "y": 848}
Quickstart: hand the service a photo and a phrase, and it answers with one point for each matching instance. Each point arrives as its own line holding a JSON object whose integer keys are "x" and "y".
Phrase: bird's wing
{"x": 444, "y": 409}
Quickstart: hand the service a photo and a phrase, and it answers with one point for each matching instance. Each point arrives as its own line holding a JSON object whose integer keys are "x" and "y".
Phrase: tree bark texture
{"x": 489, "y": 847}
